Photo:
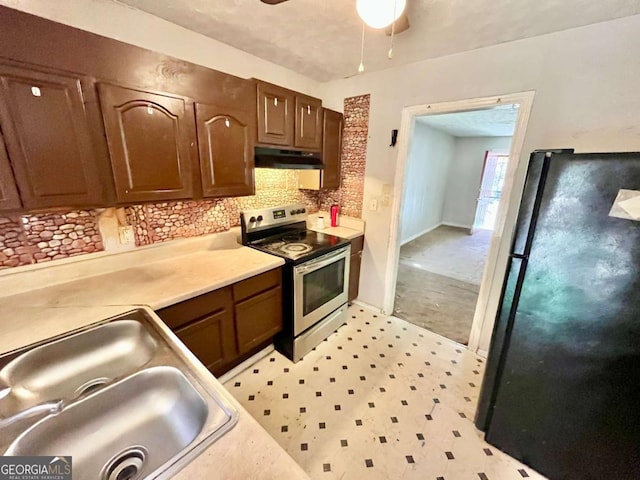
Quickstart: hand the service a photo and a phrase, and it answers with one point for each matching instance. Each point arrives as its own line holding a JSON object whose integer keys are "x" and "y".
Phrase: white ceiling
{"x": 492, "y": 122}
{"x": 321, "y": 38}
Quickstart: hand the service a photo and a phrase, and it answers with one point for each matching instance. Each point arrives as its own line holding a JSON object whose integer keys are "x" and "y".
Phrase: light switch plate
{"x": 127, "y": 235}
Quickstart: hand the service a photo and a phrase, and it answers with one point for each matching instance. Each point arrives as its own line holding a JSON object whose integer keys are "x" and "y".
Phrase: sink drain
{"x": 126, "y": 465}
{"x": 90, "y": 386}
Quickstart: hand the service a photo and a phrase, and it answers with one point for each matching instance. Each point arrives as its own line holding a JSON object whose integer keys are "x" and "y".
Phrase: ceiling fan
{"x": 399, "y": 26}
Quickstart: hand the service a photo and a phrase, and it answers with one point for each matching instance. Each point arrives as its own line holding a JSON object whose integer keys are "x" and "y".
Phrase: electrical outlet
{"x": 373, "y": 205}
{"x": 126, "y": 235}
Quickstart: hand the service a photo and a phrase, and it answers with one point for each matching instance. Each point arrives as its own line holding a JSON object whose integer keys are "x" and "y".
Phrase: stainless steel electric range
{"x": 315, "y": 276}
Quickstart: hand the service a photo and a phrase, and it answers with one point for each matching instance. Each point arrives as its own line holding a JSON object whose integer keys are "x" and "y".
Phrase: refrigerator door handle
{"x": 530, "y": 203}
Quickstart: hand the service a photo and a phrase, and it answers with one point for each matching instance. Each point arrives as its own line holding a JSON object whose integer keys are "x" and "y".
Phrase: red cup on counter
{"x": 334, "y": 215}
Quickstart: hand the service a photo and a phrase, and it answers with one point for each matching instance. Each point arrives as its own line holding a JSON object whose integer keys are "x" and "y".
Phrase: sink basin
{"x": 72, "y": 366}
{"x": 128, "y": 430}
{"x": 123, "y": 397}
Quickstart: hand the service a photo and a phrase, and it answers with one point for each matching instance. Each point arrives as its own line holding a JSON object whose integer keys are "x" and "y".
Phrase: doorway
{"x": 455, "y": 173}
{"x": 474, "y": 221}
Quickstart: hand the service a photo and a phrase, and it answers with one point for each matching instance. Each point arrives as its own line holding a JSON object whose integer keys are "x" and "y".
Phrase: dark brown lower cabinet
{"x": 211, "y": 339}
{"x": 357, "y": 245}
{"x": 226, "y": 326}
{"x": 258, "y": 319}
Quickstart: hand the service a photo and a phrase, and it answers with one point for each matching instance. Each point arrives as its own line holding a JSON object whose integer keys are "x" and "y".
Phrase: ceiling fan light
{"x": 380, "y": 13}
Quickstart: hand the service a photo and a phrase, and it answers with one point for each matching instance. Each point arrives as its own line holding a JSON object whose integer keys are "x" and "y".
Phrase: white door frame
{"x": 495, "y": 266}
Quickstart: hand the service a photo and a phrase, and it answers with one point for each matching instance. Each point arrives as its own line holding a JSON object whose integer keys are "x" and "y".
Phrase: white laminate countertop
{"x": 156, "y": 284}
{"x": 155, "y": 278}
{"x": 344, "y": 232}
{"x": 348, "y": 228}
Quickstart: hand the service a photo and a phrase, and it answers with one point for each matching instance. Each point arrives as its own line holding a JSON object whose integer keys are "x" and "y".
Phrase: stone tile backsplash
{"x": 41, "y": 238}
{"x": 354, "y": 153}
{"x": 37, "y": 238}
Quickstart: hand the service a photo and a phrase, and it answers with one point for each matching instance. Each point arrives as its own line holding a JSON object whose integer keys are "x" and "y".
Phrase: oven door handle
{"x": 322, "y": 261}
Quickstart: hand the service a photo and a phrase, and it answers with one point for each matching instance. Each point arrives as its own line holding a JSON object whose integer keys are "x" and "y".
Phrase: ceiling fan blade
{"x": 402, "y": 24}
{"x": 273, "y": 2}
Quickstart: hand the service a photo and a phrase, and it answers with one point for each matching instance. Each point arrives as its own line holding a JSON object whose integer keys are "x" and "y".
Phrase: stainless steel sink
{"x": 157, "y": 411}
{"x": 137, "y": 424}
{"x": 71, "y": 366}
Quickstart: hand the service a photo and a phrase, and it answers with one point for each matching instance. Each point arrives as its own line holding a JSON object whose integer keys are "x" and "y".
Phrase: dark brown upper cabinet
{"x": 275, "y": 115}
{"x": 226, "y": 140}
{"x": 308, "y": 123}
{"x": 48, "y": 138}
{"x": 331, "y": 148}
{"x": 151, "y": 141}
{"x": 9, "y": 198}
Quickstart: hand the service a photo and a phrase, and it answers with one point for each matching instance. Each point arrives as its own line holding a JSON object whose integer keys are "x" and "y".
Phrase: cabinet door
{"x": 331, "y": 148}
{"x": 257, "y": 284}
{"x": 48, "y": 139}
{"x": 308, "y": 123}
{"x": 225, "y": 139}
{"x": 180, "y": 314}
{"x": 211, "y": 339}
{"x": 9, "y": 198}
{"x": 151, "y": 144}
{"x": 258, "y": 319}
{"x": 275, "y": 115}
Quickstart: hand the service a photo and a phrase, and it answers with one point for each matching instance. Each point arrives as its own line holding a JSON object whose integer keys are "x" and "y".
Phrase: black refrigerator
{"x": 561, "y": 392}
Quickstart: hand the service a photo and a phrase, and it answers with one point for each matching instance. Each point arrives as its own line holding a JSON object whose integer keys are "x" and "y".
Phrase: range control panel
{"x": 254, "y": 220}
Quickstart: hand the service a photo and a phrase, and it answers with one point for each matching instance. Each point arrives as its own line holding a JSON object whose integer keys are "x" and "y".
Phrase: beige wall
{"x": 587, "y": 97}
{"x": 431, "y": 154}
{"x": 465, "y": 176}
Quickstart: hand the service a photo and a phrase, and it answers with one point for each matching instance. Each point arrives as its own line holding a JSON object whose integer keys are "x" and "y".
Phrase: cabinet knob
{"x": 275, "y": 101}
{"x": 252, "y": 219}
{"x": 308, "y": 109}
{"x": 259, "y": 218}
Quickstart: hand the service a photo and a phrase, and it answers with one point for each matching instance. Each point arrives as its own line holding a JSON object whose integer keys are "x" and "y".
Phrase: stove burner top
{"x": 298, "y": 248}
{"x": 297, "y": 245}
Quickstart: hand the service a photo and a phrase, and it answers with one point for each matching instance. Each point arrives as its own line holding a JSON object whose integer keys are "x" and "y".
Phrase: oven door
{"x": 320, "y": 286}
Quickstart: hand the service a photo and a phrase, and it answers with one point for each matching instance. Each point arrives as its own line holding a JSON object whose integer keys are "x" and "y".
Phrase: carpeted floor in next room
{"x": 379, "y": 399}
{"x": 439, "y": 277}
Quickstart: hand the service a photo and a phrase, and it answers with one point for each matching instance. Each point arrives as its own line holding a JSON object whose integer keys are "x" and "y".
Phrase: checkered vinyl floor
{"x": 379, "y": 399}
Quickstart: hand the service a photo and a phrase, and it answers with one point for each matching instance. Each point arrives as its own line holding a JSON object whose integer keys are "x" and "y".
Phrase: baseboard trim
{"x": 457, "y": 225}
{"x": 368, "y": 306}
{"x": 238, "y": 369}
{"x": 419, "y": 234}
